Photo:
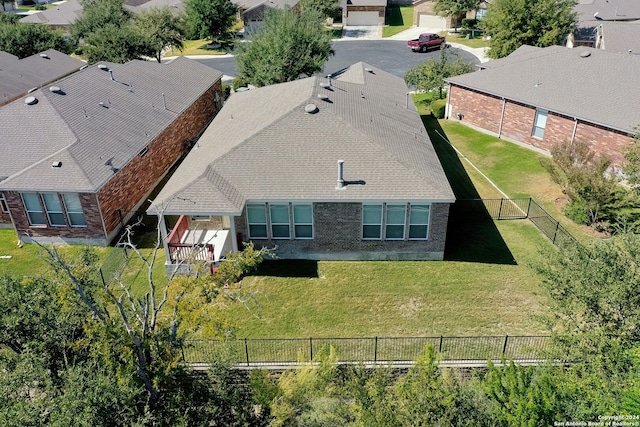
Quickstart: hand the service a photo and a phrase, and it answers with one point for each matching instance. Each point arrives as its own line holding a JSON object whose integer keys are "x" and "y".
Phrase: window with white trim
{"x": 539, "y": 124}
{"x": 52, "y": 205}
{"x": 481, "y": 13}
{"x": 303, "y": 221}
{"x": 3, "y": 204}
{"x": 419, "y": 222}
{"x": 257, "y": 221}
{"x": 395, "y": 220}
{"x": 279, "y": 216}
{"x": 34, "y": 209}
{"x": 75, "y": 215}
{"x": 372, "y": 222}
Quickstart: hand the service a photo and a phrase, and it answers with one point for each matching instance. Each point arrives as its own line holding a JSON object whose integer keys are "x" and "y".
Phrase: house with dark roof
{"x": 82, "y": 155}
{"x": 546, "y": 96}
{"x": 595, "y": 18}
{"x": 252, "y": 11}
{"x": 336, "y": 168}
{"x": 19, "y": 76}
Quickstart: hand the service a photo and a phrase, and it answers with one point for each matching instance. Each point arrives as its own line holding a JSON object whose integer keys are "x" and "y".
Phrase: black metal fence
{"x": 283, "y": 351}
{"x": 113, "y": 264}
{"x": 501, "y": 209}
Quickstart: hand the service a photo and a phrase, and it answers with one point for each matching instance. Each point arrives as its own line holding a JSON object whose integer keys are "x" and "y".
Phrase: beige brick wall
{"x": 338, "y": 236}
{"x": 484, "y": 111}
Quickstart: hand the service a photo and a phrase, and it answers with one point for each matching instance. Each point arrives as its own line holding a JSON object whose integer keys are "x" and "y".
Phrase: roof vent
{"x": 44, "y": 56}
{"x": 55, "y": 89}
{"x": 103, "y": 67}
{"x": 56, "y": 164}
{"x": 585, "y": 54}
{"x": 369, "y": 70}
{"x": 311, "y": 108}
{"x": 325, "y": 85}
{"x": 31, "y": 100}
{"x": 83, "y": 67}
{"x": 323, "y": 97}
{"x": 33, "y": 89}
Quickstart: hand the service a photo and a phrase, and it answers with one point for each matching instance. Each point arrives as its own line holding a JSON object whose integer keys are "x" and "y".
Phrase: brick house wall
{"x": 129, "y": 188}
{"x": 485, "y": 111}
{"x": 379, "y": 9}
{"x": 338, "y": 236}
{"x": 92, "y": 233}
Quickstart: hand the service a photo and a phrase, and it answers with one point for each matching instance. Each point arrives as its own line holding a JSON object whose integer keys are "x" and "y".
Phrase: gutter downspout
{"x": 447, "y": 110}
{"x": 575, "y": 128}
{"x": 504, "y": 104}
{"x": 163, "y": 235}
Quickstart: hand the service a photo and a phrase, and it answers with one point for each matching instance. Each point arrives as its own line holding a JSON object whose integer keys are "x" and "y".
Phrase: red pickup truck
{"x": 426, "y": 41}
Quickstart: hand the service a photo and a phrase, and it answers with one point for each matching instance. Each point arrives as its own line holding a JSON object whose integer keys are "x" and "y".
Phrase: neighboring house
{"x": 363, "y": 12}
{"x": 593, "y": 13}
{"x": 268, "y": 170}
{"x": 252, "y": 11}
{"x": 425, "y": 16}
{"x": 554, "y": 95}
{"x": 18, "y": 76}
{"x": 620, "y": 37}
{"x": 81, "y": 156}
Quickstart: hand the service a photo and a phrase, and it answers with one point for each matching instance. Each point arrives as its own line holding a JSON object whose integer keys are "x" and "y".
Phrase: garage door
{"x": 362, "y": 18}
{"x": 432, "y": 21}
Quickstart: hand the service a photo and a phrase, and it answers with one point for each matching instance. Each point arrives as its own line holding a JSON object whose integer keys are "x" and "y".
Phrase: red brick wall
{"x": 378, "y": 9}
{"x": 484, "y": 111}
{"x": 93, "y": 230}
{"x": 133, "y": 183}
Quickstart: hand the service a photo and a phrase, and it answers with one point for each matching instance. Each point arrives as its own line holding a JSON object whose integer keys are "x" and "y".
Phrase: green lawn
{"x": 399, "y": 18}
{"x": 462, "y": 39}
{"x": 196, "y": 47}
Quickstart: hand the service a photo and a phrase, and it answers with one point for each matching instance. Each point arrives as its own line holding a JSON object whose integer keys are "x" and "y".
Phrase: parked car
{"x": 425, "y": 42}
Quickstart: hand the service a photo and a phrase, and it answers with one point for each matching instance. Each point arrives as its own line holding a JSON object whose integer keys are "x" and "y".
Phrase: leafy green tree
{"x": 455, "y": 8}
{"x": 513, "y": 23}
{"x": 632, "y": 168}
{"x": 100, "y": 14}
{"x": 326, "y": 8}
{"x": 24, "y": 40}
{"x": 210, "y": 19}
{"x": 430, "y": 75}
{"x": 162, "y": 29}
{"x": 287, "y": 46}
{"x": 115, "y": 44}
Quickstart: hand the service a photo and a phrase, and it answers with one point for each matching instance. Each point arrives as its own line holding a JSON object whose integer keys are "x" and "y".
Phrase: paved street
{"x": 390, "y": 55}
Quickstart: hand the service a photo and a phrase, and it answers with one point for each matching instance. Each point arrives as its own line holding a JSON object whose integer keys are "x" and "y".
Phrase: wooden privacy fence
{"x": 383, "y": 350}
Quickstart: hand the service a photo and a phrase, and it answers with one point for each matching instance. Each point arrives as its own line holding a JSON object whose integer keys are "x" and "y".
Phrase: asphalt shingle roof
{"x": 93, "y": 119}
{"x": 609, "y": 10}
{"x": 593, "y": 85}
{"x": 263, "y": 145}
{"x": 17, "y": 76}
{"x": 63, "y": 14}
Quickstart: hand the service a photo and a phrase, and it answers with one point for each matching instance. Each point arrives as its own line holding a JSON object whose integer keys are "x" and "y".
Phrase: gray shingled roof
{"x": 601, "y": 88}
{"x": 63, "y": 14}
{"x": 621, "y": 37}
{"x": 609, "y": 10}
{"x": 17, "y": 76}
{"x": 73, "y": 127}
{"x": 263, "y": 145}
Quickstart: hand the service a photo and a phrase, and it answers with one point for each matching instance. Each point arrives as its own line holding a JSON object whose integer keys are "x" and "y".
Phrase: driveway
{"x": 361, "y": 33}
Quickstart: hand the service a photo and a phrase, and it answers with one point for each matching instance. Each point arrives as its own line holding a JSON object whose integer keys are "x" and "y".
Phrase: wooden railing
{"x": 190, "y": 252}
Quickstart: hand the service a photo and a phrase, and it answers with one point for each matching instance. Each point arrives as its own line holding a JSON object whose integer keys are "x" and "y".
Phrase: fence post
{"x": 504, "y": 347}
{"x": 440, "y": 346}
{"x": 246, "y": 351}
{"x": 102, "y": 277}
{"x": 182, "y": 351}
{"x": 529, "y": 206}
{"x": 311, "y": 349}
{"x": 375, "y": 352}
{"x": 556, "y": 232}
{"x": 500, "y": 210}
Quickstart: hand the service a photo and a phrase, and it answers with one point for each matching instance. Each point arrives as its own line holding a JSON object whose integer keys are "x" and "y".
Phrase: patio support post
{"x": 232, "y": 229}
{"x": 163, "y": 235}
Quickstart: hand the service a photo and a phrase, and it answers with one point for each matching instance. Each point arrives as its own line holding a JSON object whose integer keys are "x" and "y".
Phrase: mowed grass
{"x": 195, "y": 47}
{"x": 399, "y": 18}
{"x": 475, "y": 42}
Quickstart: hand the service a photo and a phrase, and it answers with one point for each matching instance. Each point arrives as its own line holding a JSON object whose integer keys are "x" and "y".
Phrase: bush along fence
{"x": 526, "y": 208}
{"x": 380, "y": 350}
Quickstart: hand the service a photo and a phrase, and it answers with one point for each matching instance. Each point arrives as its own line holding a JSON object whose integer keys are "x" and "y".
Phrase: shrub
{"x": 226, "y": 91}
{"x": 468, "y": 23}
{"x": 577, "y": 212}
{"x": 238, "y": 82}
{"x": 40, "y": 7}
{"x": 437, "y": 108}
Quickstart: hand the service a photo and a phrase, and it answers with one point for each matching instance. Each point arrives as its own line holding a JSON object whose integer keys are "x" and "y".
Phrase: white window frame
{"x": 481, "y": 15}
{"x": 30, "y": 211}
{"x": 3, "y": 204}
{"x": 265, "y": 224}
{"x": 420, "y": 224}
{"x": 53, "y": 210}
{"x": 279, "y": 224}
{"x": 387, "y": 224}
{"x": 71, "y": 212}
{"x": 297, "y": 224}
{"x": 378, "y": 205}
{"x": 541, "y": 115}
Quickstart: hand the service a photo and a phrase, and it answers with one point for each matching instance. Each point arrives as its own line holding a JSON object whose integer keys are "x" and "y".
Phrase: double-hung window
{"x": 74, "y": 210}
{"x": 539, "y": 124}
{"x": 279, "y": 221}
{"x": 303, "y": 221}
{"x": 372, "y": 222}
{"x": 54, "y": 209}
{"x": 396, "y": 217}
{"x": 3, "y": 204}
{"x": 34, "y": 209}
{"x": 257, "y": 221}
{"x": 419, "y": 222}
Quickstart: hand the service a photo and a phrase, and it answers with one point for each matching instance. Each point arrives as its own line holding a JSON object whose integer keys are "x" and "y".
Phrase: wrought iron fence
{"x": 283, "y": 351}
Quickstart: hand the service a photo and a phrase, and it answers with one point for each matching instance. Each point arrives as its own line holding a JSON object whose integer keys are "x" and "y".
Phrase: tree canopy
{"x": 161, "y": 29}
{"x": 513, "y": 23}
{"x": 455, "y": 8}
{"x": 430, "y": 75}
{"x": 288, "y": 45}
{"x": 210, "y": 19}
{"x": 22, "y": 40}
